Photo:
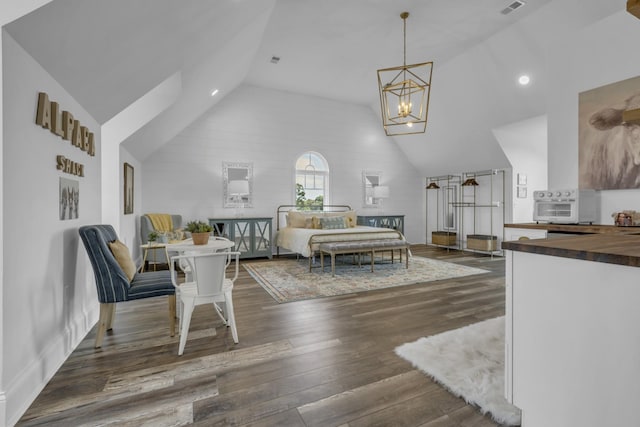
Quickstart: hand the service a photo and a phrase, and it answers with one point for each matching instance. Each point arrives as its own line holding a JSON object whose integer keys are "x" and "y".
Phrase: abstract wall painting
{"x": 609, "y": 143}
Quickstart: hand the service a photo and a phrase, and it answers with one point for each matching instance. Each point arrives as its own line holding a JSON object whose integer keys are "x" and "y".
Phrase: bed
{"x": 300, "y": 236}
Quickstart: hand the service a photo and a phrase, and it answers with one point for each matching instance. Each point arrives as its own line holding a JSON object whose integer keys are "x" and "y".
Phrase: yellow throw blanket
{"x": 161, "y": 222}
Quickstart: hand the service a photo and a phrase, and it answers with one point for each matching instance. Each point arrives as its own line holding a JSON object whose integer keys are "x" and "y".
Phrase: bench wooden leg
{"x": 333, "y": 264}
{"x": 406, "y": 257}
{"x": 372, "y": 259}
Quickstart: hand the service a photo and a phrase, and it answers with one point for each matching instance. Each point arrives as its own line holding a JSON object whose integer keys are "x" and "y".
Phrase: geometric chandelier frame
{"x": 404, "y": 94}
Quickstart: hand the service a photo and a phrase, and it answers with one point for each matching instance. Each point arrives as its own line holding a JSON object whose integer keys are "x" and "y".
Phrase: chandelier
{"x": 404, "y": 94}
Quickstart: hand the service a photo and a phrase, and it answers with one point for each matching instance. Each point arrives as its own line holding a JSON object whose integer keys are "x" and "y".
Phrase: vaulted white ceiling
{"x": 109, "y": 54}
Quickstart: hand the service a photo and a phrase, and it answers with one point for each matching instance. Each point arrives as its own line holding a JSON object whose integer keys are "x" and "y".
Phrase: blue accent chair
{"x": 113, "y": 284}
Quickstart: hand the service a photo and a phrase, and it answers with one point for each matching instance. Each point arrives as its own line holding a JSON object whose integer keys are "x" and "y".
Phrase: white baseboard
{"x": 20, "y": 394}
{"x": 3, "y": 408}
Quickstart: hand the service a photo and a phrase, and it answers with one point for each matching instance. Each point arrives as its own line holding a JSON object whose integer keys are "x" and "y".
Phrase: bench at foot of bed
{"x": 362, "y": 247}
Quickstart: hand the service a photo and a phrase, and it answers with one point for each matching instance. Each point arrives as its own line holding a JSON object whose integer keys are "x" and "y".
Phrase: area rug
{"x": 290, "y": 280}
{"x": 469, "y": 362}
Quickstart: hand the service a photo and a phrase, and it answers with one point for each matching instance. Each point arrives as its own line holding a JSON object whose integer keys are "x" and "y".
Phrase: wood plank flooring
{"x": 322, "y": 362}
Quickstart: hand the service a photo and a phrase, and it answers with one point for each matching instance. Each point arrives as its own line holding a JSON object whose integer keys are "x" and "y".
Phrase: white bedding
{"x": 297, "y": 239}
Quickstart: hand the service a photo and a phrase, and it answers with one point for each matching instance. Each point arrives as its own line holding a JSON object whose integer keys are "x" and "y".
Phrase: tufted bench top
{"x": 363, "y": 245}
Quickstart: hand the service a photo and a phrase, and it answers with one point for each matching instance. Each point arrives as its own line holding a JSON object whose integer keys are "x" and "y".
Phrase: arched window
{"x": 312, "y": 181}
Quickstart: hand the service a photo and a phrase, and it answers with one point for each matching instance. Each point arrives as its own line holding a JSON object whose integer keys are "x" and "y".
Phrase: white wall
{"x": 525, "y": 145}
{"x": 271, "y": 129}
{"x": 3, "y": 397}
{"x": 49, "y": 296}
{"x": 571, "y": 55}
{"x": 597, "y": 55}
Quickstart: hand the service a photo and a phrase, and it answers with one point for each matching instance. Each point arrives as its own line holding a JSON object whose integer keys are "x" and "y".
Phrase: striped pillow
{"x": 332, "y": 223}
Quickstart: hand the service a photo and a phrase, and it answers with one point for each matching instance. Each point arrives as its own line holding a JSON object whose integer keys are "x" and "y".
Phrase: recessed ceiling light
{"x": 524, "y": 80}
{"x": 214, "y": 92}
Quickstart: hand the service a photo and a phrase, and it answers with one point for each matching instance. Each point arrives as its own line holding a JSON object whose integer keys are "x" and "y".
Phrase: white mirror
{"x": 450, "y": 207}
{"x": 237, "y": 184}
{"x": 372, "y": 190}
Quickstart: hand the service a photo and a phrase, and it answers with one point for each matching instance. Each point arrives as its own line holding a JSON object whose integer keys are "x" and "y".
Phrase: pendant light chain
{"x": 404, "y": 31}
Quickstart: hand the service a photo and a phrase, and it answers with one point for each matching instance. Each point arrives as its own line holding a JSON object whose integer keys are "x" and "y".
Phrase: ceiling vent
{"x": 513, "y": 6}
{"x": 275, "y": 59}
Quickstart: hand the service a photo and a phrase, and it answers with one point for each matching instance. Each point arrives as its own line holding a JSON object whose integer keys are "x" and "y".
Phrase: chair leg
{"x": 112, "y": 315}
{"x": 106, "y": 310}
{"x": 221, "y": 312}
{"x": 172, "y": 315}
{"x": 186, "y": 320}
{"x": 180, "y": 308}
{"x": 231, "y": 316}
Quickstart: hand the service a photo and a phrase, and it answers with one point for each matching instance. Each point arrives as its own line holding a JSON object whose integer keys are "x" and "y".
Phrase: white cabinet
{"x": 252, "y": 236}
{"x": 572, "y": 341}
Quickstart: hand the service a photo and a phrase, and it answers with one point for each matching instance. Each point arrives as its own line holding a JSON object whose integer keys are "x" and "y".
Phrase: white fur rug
{"x": 469, "y": 362}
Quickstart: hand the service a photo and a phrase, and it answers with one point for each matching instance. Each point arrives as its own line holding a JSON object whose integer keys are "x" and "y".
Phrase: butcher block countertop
{"x": 611, "y": 248}
{"x": 577, "y": 229}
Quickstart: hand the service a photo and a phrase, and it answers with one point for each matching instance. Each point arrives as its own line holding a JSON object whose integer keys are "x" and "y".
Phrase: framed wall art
{"x": 128, "y": 189}
{"x": 69, "y": 199}
{"x": 609, "y": 136}
{"x": 522, "y": 179}
{"x": 522, "y": 192}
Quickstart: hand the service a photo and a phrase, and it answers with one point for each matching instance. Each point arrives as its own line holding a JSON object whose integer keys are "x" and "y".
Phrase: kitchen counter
{"x": 572, "y": 341}
{"x": 622, "y": 249}
{"x": 576, "y": 228}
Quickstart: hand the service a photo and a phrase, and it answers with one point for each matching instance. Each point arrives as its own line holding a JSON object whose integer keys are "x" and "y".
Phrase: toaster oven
{"x": 565, "y": 206}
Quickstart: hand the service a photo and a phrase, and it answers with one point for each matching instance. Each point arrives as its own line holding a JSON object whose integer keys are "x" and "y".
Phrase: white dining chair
{"x": 208, "y": 285}
{"x": 185, "y": 266}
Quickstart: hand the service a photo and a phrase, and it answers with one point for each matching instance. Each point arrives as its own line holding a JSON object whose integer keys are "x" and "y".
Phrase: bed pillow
{"x": 296, "y": 219}
{"x": 123, "y": 257}
{"x": 333, "y": 223}
{"x": 350, "y": 218}
{"x": 308, "y": 221}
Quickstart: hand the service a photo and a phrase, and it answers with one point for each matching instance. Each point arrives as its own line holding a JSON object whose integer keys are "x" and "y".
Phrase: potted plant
{"x": 199, "y": 232}
{"x": 152, "y": 237}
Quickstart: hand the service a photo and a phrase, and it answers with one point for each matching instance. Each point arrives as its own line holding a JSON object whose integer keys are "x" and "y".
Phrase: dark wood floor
{"x": 323, "y": 362}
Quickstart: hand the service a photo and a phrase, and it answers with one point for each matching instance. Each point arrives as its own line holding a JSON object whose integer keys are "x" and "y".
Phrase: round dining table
{"x": 214, "y": 245}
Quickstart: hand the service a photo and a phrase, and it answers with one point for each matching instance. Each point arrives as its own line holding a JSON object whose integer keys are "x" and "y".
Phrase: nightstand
{"x": 395, "y": 222}
{"x": 251, "y": 236}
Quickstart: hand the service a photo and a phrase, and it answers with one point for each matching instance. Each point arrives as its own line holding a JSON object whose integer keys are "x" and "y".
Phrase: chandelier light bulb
{"x": 404, "y": 109}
